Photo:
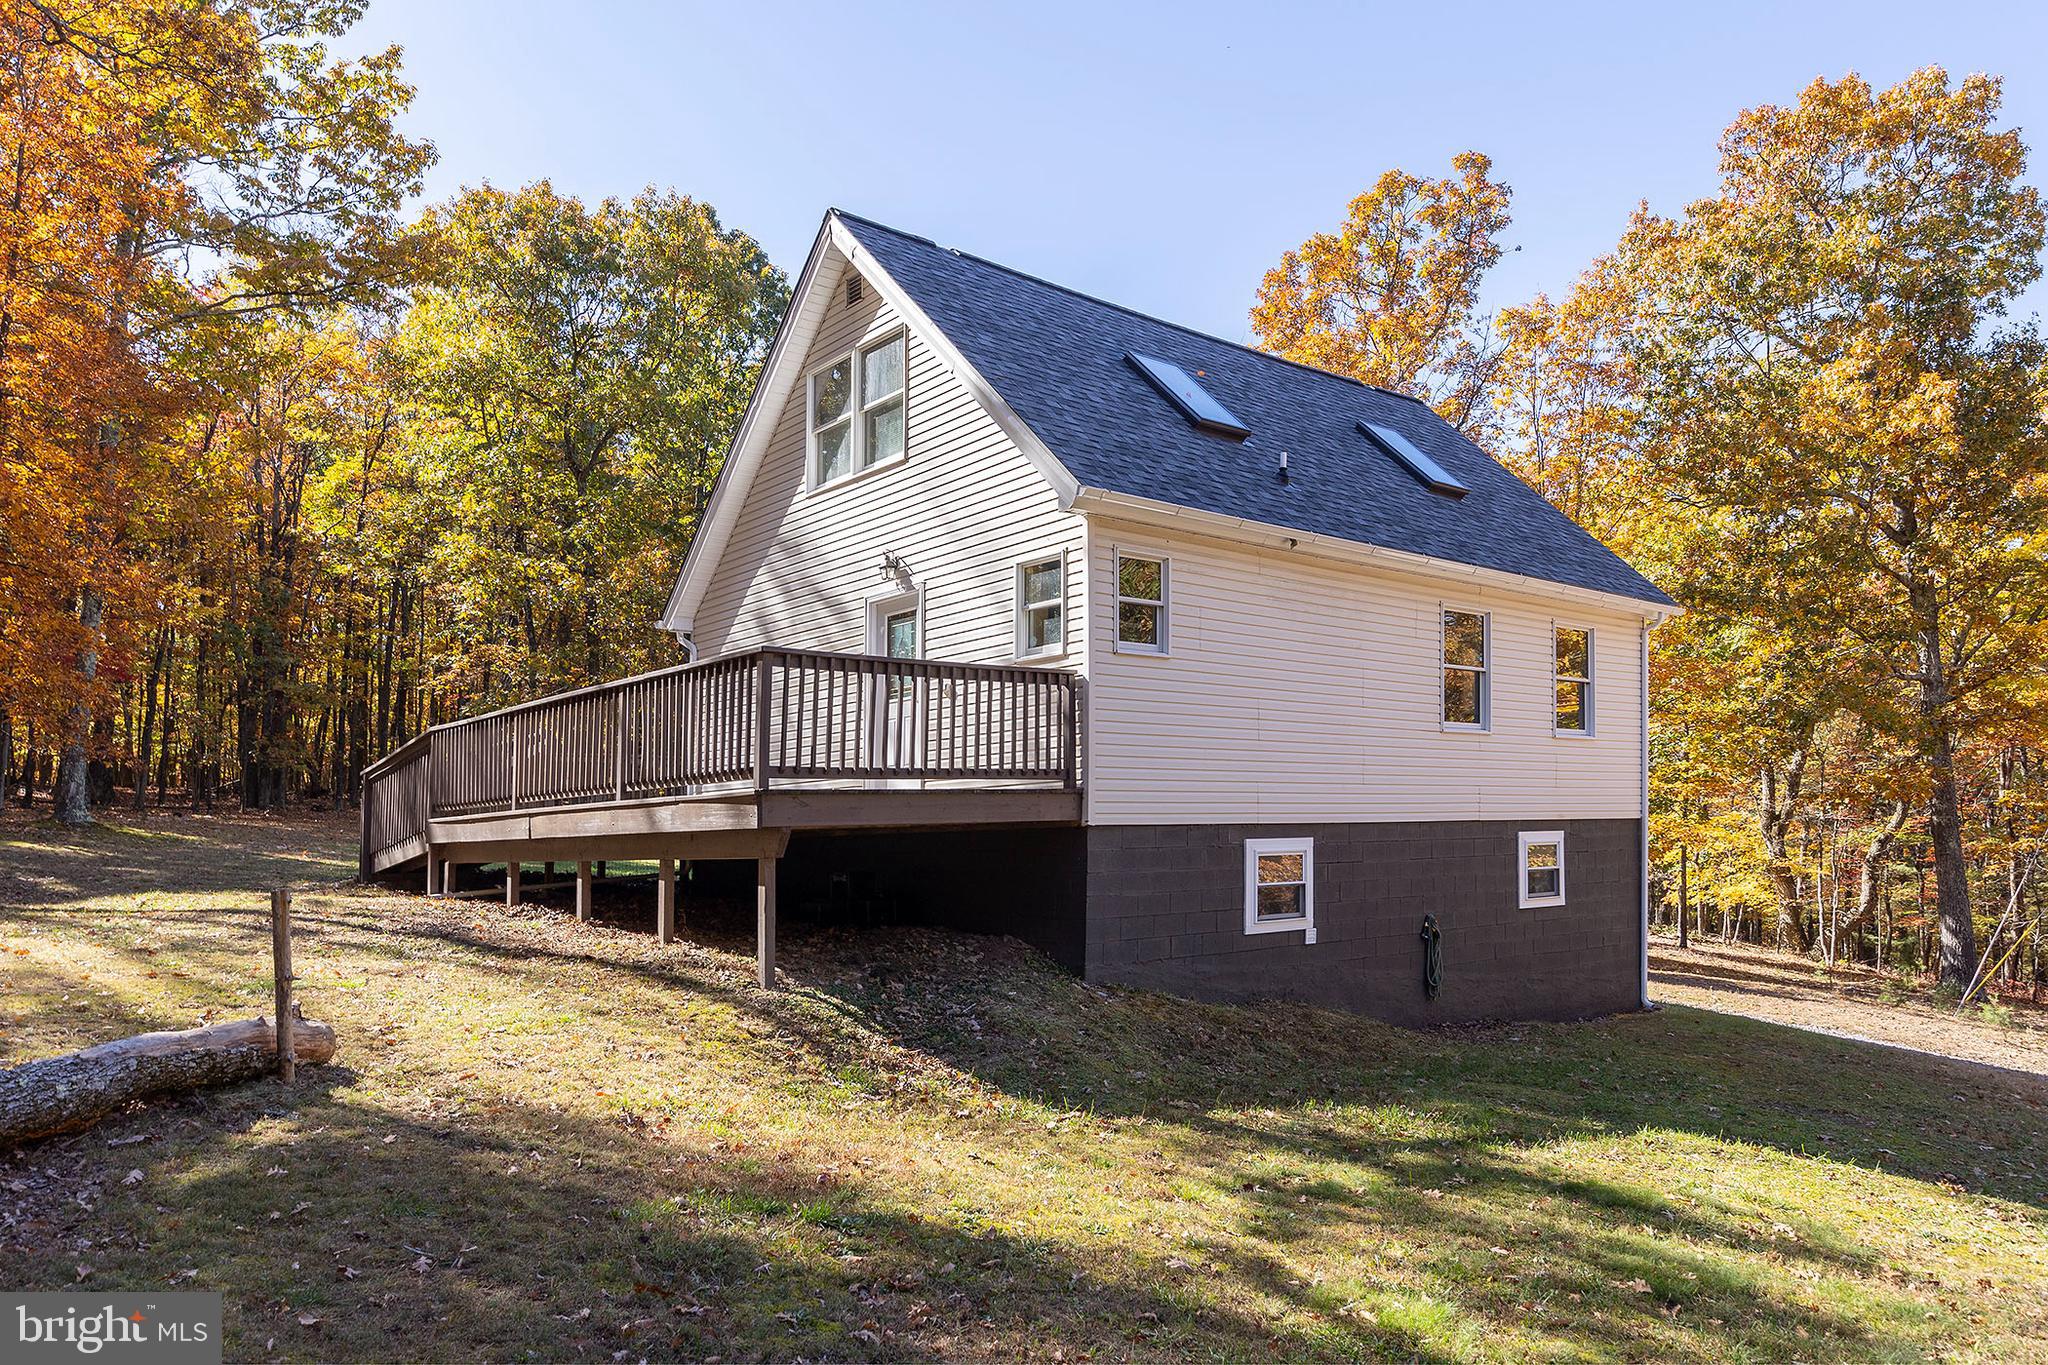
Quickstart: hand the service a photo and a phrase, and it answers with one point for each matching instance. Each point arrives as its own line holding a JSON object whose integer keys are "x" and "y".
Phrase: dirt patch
{"x": 1851, "y": 1001}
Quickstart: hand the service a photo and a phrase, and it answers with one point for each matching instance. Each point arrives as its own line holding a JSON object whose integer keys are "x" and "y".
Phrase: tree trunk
{"x": 62, "y": 1094}
{"x": 1777, "y": 804}
{"x": 147, "y": 739}
{"x": 1684, "y": 901}
{"x": 1875, "y": 853}
{"x": 163, "y": 753}
{"x": 74, "y": 791}
{"x": 1944, "y": 806}
{"x": 6, "y": 755}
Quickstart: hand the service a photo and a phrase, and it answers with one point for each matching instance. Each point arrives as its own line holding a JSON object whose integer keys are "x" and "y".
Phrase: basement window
{"x": 1541, "y": 855}
{"x": 1280, "y": 886}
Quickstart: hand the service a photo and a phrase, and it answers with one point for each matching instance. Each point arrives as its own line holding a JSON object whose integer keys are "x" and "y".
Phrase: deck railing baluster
{"x": 756, "y": 717}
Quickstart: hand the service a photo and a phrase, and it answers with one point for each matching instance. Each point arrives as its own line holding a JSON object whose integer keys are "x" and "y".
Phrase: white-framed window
{"x": 1042, "y": 606}
{"x": 1574, "y": 679}
{"x": 1467, "y": 646}
{"x": 856, "y": 407}
{"x": 1280, "y": 886}
{"x": 1539, "y": 856}
{"x": 1141, "y": 610}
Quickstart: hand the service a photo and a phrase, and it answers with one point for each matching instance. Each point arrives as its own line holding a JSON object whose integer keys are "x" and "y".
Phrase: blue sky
{"x": 1162, "y": 156}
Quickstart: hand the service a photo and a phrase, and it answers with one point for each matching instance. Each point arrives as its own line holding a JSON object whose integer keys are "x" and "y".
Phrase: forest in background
{"x": 290, "y": 470}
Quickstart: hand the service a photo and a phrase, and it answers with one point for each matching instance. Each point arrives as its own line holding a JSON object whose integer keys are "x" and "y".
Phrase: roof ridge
{"x": 1125, "y": 309}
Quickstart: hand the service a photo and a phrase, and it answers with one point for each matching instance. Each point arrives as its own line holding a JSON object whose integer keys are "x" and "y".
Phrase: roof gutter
{"x": 1171, "y": 516}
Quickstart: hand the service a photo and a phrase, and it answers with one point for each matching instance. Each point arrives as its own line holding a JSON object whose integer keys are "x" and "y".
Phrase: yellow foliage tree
{"x": 1392, "y": 296}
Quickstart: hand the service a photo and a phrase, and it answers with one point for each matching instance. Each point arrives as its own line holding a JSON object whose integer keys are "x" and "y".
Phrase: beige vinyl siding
{"x": 962, "y": 510}
{"x": 1298, "y": 689}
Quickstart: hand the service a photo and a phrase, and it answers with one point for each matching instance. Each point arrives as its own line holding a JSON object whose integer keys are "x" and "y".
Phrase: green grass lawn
{"x": 561, "y": 1141}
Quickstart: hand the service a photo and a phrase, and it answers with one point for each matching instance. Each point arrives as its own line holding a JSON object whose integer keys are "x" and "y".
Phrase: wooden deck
{"x": 723, "y": 758}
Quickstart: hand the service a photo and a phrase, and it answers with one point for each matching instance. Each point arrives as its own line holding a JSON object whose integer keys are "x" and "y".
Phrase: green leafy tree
{"x": 573, "y": 376}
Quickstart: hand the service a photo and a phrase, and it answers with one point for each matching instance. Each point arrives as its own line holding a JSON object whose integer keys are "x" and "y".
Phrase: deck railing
{"x": 745, "y": 720}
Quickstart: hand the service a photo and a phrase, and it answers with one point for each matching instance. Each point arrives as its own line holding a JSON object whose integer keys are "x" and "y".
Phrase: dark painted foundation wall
{"x": 1166, "y": 912}
{"x": 1162, "y": 907}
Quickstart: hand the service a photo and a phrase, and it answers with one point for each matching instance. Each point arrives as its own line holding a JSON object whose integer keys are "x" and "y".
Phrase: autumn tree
{"x": 573, "y": 376}
{"x": 1392, "y": 296}
{"x": 1822, "y": 366}
{"x": 176, "y": 168}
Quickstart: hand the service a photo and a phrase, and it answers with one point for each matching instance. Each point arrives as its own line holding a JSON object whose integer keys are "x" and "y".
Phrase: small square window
{"x": 1041, "y": 607}
{"x": 1540, "y": 857}
{"x": 1141, "y": 587}
{"x": 1280, "y": 886}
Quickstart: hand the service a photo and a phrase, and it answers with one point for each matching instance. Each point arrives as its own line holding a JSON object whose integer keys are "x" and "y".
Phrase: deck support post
{"x": 665, "y": 902}
{"x": 433, "y": 872}
{"x": 764, "y": 920}
{"x": 583, "y": 891}
{"x": 448, "y": 866}
{"x": 511, "y": 882}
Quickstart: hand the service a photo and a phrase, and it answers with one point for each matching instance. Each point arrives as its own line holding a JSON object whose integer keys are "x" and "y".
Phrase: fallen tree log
{"x": 63, "y": 1094}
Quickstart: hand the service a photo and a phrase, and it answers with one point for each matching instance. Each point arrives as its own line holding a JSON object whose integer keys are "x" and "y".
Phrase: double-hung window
{"x": 1574, "y": 681}
{"x": 1540, "y": 855}
{"x": 1140, "y": 604}
{"x": 1041, "y": 607}
{"x": 1280, "y": 886}
{"x": 1465, "y": 647}
{"x": 856, "y": 407}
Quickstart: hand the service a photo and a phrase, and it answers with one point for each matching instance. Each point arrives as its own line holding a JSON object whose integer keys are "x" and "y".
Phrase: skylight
{"x": 1433, "y": 476}
{"x": 1190, "y": 397}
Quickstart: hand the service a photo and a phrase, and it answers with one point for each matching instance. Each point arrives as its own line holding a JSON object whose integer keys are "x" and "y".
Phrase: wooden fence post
{"x": 281, "y": 966}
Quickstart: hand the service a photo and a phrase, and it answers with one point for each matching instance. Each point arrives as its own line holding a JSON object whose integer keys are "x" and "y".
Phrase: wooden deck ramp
{"x": 722, "y": 760}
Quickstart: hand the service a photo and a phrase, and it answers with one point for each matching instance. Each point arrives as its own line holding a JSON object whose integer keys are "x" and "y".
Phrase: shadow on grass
{"x": 525, "y": 1230}
{"x": 46, "y": 867}
{"x": 1000, "y": 1012}
{"x": 561, "y": 1235}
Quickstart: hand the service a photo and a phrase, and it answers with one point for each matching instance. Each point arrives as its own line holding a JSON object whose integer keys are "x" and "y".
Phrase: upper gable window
{"x": 856, "y": 411}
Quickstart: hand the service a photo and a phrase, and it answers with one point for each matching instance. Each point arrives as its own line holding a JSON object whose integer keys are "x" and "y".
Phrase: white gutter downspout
{"x": 1645, "y": 829}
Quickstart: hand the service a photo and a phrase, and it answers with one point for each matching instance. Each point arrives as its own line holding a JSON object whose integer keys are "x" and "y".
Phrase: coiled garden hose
{"x": 1432, "y": 957}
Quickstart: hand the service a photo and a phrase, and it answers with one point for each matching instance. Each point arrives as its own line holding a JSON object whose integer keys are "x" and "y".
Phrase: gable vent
{"x": 1427, "y": 472}
{"x": 856, "y": 288}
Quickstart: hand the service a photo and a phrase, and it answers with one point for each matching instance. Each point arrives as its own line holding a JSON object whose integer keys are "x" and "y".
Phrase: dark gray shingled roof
{"x": 1057, "y": 358}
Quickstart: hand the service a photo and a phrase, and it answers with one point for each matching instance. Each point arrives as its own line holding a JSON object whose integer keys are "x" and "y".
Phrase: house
{"x": 1204, "y": 671}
